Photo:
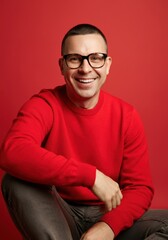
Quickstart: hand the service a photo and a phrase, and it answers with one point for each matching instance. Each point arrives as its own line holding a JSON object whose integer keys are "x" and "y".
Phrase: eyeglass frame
{"x": 85, "y": 57}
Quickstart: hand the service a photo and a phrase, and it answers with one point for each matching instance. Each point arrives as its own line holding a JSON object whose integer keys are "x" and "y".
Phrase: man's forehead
{"x": 85, "y": 42}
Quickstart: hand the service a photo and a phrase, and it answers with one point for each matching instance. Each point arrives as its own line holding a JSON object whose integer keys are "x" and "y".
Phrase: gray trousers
{"x": 41, "y": 214}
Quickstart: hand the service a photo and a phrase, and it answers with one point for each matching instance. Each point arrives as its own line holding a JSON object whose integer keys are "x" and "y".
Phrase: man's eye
{"x": 96, "y": 58}
{"x": 73, "y": 59}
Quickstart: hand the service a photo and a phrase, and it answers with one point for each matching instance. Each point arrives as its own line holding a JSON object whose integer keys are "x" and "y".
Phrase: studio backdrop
{"x": 137, "y": 32}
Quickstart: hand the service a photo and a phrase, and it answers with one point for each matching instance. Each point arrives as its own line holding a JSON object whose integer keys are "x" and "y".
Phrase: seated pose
{"x": 76, "y": 158}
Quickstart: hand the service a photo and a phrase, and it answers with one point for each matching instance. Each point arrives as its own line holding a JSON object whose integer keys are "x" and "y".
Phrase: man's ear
{"x": 61, "y": 65}
{"x": 109, "y": 62}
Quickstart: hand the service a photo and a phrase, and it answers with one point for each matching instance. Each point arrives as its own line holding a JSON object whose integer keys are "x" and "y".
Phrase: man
{"x": 88, "y": 145}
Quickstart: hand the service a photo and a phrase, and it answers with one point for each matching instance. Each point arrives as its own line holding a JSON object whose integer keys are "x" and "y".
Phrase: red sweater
{"x": 53, "y": 142}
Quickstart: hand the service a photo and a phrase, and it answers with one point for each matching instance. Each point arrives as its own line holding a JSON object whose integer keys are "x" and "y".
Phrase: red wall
{"x": 138, "y": 42}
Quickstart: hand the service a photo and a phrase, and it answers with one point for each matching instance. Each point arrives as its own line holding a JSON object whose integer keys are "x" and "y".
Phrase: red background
{"x": 137, "y": 31}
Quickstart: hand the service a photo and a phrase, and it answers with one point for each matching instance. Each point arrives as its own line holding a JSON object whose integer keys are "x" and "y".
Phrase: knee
{"x": 10, "y": 188}
{"x": 164, "y": 227}
{"x": 158, "y": 223}
{"x": 6, "y": 185}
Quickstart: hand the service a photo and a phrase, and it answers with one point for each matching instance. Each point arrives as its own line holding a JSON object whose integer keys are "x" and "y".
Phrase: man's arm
{"x": 107, "y": 191}
{"x": 131, "y": 197}
{"x": 23, "y": 155}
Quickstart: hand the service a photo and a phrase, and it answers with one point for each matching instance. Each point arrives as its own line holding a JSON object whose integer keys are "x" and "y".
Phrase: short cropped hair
{"x": 82, "y": 29}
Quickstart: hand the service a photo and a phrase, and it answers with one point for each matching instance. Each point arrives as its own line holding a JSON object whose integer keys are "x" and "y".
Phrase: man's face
{"x": 83, "y": 84}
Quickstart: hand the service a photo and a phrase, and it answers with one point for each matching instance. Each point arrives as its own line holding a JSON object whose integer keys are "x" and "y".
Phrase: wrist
{"x": 109, "y": 229}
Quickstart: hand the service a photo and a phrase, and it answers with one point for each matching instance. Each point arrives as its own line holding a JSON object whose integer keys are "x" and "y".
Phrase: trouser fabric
{"x": 40, "y": 213}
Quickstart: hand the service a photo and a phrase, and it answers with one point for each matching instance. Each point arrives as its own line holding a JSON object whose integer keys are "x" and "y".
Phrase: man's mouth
{"x": 85, "y": 81}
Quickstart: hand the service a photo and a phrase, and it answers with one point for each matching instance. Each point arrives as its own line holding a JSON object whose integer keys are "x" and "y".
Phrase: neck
{"x": 86, "y": 103}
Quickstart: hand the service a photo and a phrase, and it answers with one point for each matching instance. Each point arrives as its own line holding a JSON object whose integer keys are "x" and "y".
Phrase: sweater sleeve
{"x": 23, "y": 155}
{"x": 135, "y": 179}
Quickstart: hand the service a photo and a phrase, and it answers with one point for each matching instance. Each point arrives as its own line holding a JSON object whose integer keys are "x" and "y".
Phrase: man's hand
{"x": 107, "y": 191}
{"x": 99, "y": 231}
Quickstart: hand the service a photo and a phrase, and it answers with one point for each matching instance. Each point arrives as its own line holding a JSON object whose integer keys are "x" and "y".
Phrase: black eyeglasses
{"x": 95, "y": 60}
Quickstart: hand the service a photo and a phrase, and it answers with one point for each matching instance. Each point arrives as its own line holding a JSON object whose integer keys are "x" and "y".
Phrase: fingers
{"x": 114, "y": 201}
{"x": 107, "y": 190}
{"x": 119, "y": 198}
{"x": 108, "y": 205}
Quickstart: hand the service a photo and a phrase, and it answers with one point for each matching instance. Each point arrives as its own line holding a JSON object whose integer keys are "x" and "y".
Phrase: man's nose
{"x": 85, "y": 66}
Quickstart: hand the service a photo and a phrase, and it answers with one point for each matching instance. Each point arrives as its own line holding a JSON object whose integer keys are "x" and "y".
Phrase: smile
{"x": 86, "y": 81}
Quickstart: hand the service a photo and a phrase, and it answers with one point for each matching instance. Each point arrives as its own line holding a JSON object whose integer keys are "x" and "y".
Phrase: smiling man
{"x": 76, "y": 157}
{"x": 85, "y": 67}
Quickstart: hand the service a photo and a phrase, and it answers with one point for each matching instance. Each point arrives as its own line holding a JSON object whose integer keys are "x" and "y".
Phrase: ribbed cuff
{"x": 87, "y": 174}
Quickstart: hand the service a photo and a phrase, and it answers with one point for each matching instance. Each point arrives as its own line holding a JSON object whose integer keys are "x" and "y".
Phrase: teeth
{"x": 86, "y": 81}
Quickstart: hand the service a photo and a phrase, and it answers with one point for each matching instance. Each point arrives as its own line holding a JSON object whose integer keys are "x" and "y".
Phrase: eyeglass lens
{"x": 96, "y": 60}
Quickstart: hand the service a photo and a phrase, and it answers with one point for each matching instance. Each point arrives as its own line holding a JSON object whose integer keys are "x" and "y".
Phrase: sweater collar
{"x": 79, "y": 110}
